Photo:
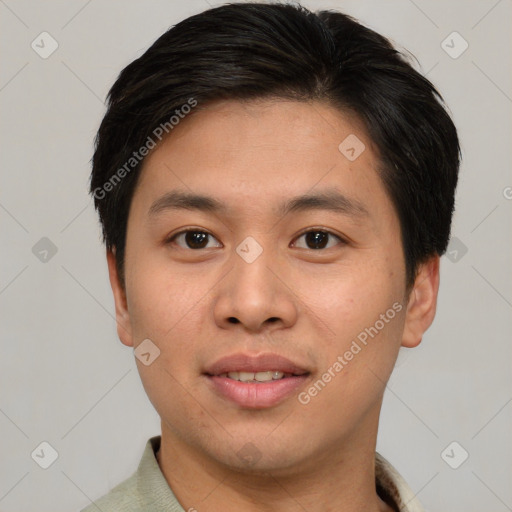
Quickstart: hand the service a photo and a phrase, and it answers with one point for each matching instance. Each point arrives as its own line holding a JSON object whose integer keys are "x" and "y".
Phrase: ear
{"x": 421, "y": 307}
{"x": 124, "y": 330}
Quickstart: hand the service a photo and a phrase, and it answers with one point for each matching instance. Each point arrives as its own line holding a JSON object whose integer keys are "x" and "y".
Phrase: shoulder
{"x": 394, "y": 487}
{"x": 145, "y": 491}
{"x": 122, "y": 498}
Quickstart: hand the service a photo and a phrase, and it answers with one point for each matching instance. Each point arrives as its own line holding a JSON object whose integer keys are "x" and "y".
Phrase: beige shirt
{"x": 147, "y": 489}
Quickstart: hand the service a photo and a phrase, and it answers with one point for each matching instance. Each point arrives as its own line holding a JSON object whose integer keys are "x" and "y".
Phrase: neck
{"x": 342, "y": 478}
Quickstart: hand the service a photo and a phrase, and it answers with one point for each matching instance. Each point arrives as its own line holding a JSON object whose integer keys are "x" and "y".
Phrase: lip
{"x": 247, "y": 363}
{"x": 255, "y": 395}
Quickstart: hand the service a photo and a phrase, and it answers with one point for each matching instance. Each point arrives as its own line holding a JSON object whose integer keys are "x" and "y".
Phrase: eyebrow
{"x": 331, "y": 200}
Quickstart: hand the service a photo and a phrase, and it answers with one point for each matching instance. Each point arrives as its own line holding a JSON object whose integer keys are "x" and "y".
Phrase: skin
{"x": 304, "y": 303}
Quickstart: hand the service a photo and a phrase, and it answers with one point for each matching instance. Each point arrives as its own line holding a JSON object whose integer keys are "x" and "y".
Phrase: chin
{"x": 256, "y": 454}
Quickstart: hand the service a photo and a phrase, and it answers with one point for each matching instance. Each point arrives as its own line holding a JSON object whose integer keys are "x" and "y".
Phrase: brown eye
{"x": 193, "y": 239}
{"x": 318, "y": 239}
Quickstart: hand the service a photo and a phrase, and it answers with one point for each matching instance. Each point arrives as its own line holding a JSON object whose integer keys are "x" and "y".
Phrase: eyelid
{"x": 313, "y": 229}
{"x": 171, "y": 238}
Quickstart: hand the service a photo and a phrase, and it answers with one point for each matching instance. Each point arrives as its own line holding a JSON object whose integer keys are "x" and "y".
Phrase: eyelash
{"x": 314, "y": 230}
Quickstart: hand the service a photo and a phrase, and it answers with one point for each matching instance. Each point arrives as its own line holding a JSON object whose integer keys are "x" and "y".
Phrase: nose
{"x": 257, "y": 294}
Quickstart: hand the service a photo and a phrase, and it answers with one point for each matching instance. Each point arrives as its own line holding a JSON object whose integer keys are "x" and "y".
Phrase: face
{"x": 288, "y": 274}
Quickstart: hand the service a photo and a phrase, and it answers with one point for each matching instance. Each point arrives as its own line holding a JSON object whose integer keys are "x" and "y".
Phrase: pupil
{"x": 317, "y": 238}
{"x": 195, "y": 239}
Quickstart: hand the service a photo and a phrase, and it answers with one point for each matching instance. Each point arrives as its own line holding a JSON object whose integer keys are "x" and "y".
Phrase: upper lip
{"x": 247, "y": 363}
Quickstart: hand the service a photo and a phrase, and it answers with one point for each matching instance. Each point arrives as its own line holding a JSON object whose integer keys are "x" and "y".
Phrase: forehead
{"x": 268, "y": 124}
{"x": 260, "y": 150}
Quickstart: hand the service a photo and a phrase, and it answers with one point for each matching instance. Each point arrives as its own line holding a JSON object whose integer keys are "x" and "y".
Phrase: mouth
{"x": 256, "y": 382}
{"x": 257, "y": 377}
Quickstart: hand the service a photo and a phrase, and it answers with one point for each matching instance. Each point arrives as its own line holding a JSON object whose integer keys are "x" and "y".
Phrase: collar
{"x": 156, "y": 495}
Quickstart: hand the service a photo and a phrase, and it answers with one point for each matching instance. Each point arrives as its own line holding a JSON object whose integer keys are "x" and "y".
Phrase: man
{"x": 275, "y": 189}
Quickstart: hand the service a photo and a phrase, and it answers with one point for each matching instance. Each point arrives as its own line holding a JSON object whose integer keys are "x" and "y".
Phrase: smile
{"x": 265, "y": 376}
{"x": 255, "y": 382}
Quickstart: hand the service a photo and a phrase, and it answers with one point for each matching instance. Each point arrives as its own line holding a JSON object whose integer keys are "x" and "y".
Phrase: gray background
{"x": 67, "y": 380}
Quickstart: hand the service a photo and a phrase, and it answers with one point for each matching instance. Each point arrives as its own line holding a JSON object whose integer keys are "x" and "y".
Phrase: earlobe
{"x": 421, "y": 308}
{"x": 124, "y": 330}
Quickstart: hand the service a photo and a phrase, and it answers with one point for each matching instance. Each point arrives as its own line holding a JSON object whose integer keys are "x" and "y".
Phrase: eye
{"x": 196, "y": 239}
{"x": 318, "y": 239}
{"x": 193, "y": 238}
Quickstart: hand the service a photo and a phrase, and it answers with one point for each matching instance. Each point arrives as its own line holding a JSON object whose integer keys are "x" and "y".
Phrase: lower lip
{"x": 258, "y": 395}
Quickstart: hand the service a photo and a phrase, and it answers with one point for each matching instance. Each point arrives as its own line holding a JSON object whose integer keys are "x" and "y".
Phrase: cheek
{"x": 361, "y": 319}
{"x": 356, "y": 366}
{"x": 161, "y": 301}
{"x": 169, "y": 309}
{"x": 349, "y": 302}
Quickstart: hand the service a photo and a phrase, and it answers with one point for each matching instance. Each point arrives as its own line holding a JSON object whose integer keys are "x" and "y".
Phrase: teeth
{"x": 255, "y": 376}
{"x": 263, "y": 376}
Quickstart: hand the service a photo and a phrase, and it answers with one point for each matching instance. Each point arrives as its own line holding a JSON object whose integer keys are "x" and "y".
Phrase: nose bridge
{"x": 251, "y": 261}
{"x": 252, "y": 293}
